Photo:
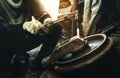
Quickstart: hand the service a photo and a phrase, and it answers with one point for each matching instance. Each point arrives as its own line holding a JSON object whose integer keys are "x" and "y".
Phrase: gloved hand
{"x": 33, "y": 26}
{"x": 48, "y": 21}
{"x": 49, "y": 26}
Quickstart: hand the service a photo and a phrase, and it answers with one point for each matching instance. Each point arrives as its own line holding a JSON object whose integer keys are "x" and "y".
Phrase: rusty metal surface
{"x": 72, "y": 46}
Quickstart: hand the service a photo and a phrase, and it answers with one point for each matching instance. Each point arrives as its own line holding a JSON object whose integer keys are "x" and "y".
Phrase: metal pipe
{"x": 73, "y": 27}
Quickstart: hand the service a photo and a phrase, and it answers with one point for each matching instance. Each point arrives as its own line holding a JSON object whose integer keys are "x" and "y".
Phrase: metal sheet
{"x": 99, "y": 44}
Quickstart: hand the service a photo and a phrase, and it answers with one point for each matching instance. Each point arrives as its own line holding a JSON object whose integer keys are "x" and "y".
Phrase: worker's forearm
{"x": 38, "y": 10}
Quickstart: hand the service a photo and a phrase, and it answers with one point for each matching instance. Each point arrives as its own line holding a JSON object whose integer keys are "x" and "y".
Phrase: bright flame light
{"x": 52, "y": 7}
{"x": 78, "y": 34}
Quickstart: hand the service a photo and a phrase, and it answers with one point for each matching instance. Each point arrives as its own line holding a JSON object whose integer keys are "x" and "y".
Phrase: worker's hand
{"x": 48, "y": 21}
{"x": 32, "y": 26}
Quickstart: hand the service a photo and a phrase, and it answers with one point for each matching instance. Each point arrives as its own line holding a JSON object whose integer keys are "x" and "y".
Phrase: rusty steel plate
{"x": 98, "y": 45}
